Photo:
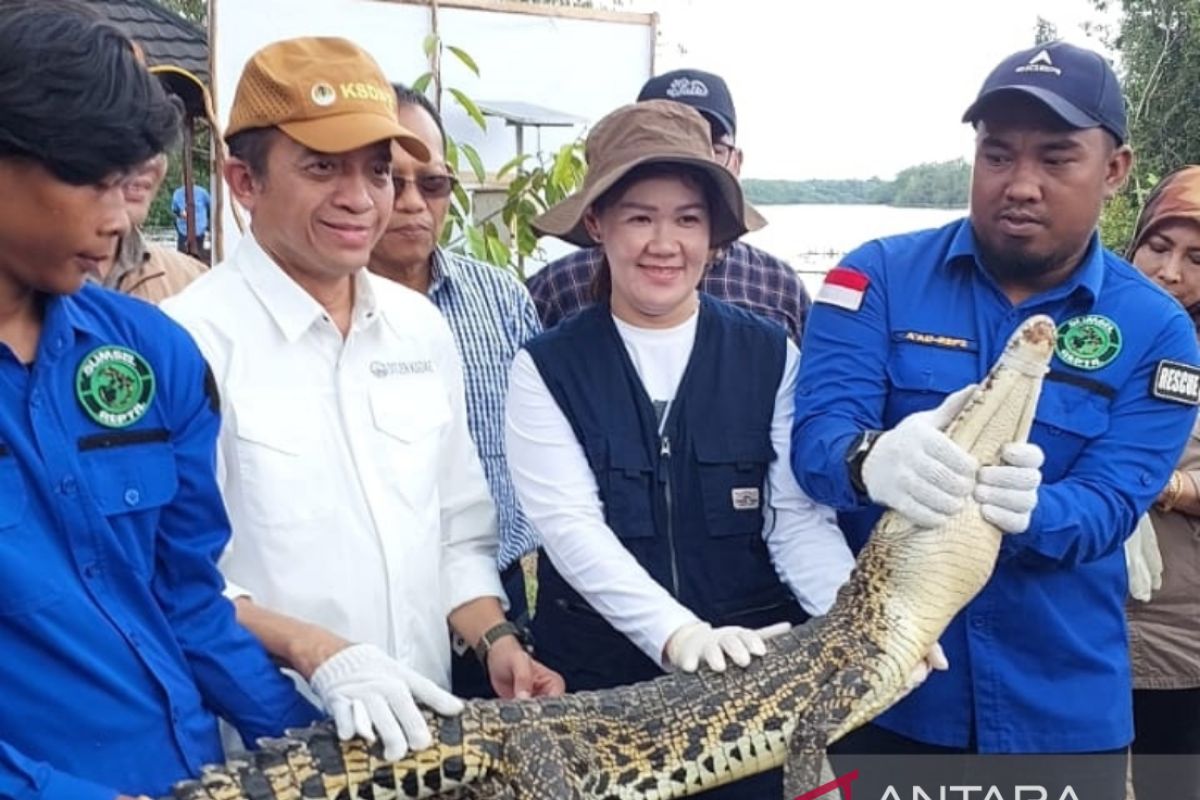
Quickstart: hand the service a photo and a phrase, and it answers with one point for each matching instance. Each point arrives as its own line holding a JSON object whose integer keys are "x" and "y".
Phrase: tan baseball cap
{"x": 324, "y": 92}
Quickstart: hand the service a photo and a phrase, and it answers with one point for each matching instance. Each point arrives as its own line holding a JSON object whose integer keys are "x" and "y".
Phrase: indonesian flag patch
{"x": 843, "y": 287}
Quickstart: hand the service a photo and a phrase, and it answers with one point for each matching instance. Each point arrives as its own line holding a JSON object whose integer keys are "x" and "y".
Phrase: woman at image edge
{"x": 1164, "y": 634}
{"x": 659, "y": 482}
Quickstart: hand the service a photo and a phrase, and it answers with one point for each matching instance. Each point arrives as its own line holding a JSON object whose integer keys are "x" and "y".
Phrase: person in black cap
{"x": 1038, "y": 660}
{"x": 738, "y": 273}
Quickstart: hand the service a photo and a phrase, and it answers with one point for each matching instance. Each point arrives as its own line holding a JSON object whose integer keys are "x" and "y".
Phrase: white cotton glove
{"x": 696, "y": 640}
{"x": 1143, "y": 561}
{"x": 917, "y": 470}
{"x": 366, "y": 691}
{"x": 1007, "y": 494}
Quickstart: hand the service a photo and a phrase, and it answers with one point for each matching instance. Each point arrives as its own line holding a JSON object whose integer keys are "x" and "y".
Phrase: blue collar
{"x": 1087, "y": 277}
{"x": 441, "y": 271}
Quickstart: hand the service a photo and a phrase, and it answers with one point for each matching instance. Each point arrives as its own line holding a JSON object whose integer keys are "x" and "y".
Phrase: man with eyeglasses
{"x": 362, "y": 522}
{"x": 739, "y": 273}
{"x": 491, "y": 316}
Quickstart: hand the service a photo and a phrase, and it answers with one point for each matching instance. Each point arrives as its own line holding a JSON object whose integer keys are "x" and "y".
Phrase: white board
{"x": 574, "y": 63}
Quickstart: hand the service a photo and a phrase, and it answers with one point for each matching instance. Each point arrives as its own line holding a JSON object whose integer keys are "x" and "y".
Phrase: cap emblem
{"x": 323, "y": 94}
{"x": 1040, "y": 63}
{"x": 687, "y": 87}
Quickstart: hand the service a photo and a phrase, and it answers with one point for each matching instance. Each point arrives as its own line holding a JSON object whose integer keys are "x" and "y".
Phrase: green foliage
{"x": 504, "y": 237}
{"x": 1158, "y": 42}
{"x": 942, "y": 185}
{"x": 1045, "y": 31}
{"x": 192, "y": 10}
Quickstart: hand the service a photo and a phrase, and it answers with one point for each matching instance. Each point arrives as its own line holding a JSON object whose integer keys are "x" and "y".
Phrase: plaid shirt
{"x": 491, "y": 316}
{"x": 742, "y": 275}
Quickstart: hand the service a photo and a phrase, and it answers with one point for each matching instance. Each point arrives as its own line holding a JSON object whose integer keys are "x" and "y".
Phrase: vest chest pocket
{"x": 13, "y": 495}
{"x": 627, "y": 485}
{"x": 733, "y": 475}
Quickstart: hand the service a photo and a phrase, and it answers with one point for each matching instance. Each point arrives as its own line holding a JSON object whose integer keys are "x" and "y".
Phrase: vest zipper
{"x": 664, "y": 457}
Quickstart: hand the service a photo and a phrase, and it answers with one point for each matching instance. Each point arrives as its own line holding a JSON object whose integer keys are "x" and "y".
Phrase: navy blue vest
{"x": 687, "y": 503}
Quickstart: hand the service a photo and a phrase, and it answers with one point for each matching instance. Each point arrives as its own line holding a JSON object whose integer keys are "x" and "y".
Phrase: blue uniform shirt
{"x": 118, "y": 647}
{"x": 202, "y": 202}
{"x": 1038, "y": 661}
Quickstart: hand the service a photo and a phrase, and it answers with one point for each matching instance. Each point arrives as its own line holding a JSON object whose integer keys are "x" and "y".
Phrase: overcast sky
{"x": 853, "y": 88}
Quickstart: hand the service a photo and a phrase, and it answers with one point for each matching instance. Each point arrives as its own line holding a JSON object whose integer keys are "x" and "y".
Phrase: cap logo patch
{"x": 323, "y": 94}
{"x": 1179, "y": 383}
{"x": 1041, "y": 63}
{"x": 687, "y": 87}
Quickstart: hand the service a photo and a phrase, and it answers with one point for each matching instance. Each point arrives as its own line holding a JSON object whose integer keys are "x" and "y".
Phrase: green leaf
{"x": 422, "y": 83}
{"x": 476, "y": 243}
{"x": 511, "y": 164}
{"x": 474, "y": 160}
{"x": 430, "y": 44}
{"x": 451, "y": 154}
{"x": 526, "y": 241}
{"x": 465, "y": 58}
{"x": 462, "y": 198}
{"x": 469, "y": 106}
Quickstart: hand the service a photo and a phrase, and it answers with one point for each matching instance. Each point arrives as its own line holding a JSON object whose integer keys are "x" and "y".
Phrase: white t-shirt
{"x": 660, "y": 356}
{"x": 559, "y": 493}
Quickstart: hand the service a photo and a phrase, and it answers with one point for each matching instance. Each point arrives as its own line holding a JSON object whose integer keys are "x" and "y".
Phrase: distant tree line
{"x": 941, "y": 185}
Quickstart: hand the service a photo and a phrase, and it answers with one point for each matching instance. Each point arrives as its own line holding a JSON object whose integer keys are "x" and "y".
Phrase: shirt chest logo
{"x": 1088, "y": 342}
{"x": 388, "y": 369}
{"x": 115, "y": 386}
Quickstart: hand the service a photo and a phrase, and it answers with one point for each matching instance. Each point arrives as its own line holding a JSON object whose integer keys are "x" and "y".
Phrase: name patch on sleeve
{"x": 1179, "y": 383}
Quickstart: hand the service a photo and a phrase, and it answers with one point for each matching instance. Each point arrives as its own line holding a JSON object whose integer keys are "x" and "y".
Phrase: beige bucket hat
{"x": 649, "y": 132}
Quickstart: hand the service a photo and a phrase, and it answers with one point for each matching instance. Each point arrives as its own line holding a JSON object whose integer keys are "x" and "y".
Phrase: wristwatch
{"x": 860, "y": 448}
{"x": 493, "y": 635}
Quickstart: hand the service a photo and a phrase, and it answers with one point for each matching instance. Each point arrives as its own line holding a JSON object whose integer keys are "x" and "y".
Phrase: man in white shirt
{"x": 362, "y": 521}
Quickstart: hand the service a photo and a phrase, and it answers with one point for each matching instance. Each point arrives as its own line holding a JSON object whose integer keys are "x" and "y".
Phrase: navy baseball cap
{"x": 703, "y": 91}
{"x": 1076, "y": 84}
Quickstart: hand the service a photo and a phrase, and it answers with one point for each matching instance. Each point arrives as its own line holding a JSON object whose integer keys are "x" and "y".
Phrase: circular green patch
{"x": 1088, "y": 342}
{"x": 115, "y": 386}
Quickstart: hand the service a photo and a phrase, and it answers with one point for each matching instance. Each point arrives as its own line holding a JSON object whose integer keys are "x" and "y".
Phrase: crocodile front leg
{"x": 537, "y": 767}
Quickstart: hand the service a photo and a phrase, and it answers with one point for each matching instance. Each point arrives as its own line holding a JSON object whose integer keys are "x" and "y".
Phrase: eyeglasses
{"x": 723, "y": 152}
{"x": 431, "y": 187}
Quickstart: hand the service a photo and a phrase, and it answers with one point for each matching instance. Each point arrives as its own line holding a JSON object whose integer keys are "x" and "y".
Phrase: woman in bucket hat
{"x": 648, "y": 435}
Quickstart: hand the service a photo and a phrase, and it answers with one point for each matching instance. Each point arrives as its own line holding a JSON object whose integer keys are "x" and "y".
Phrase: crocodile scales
{"x": 681, "y": 734}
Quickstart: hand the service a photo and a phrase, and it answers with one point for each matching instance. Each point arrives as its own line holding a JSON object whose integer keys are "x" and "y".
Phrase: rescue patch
{"x": 1088, "y": 342}
{"x": 115, "y": 386}
{"x": 935, "y": 340}
{"x": 1179, "y": 383}
{"x": 844, "y": 287}
{"x": 745, "y": 499}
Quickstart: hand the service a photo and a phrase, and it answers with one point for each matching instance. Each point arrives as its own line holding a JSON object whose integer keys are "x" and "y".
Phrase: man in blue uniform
{"x": 1038, "y": 661}
{"x": 119, "y": 649}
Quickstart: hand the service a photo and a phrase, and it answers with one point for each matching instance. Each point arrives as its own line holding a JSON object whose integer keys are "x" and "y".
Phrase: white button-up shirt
{"x": 356, "y": 495}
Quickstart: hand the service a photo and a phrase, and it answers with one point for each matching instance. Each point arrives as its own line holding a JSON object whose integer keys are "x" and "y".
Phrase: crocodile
{"x": 682, "y": 734}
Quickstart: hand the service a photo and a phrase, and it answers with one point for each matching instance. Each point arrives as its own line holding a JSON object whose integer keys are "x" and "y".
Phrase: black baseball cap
{"x": 703, "y": 91}
{"x": 1077, "y": 84}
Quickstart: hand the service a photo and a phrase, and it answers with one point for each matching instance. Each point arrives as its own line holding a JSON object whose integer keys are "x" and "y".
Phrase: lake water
{"x": 813, "y": 237}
